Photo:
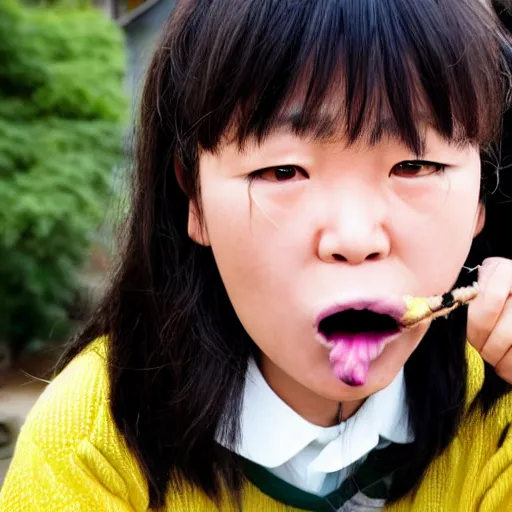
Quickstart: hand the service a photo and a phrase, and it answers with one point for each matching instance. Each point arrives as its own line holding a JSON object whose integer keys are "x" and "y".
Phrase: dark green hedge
{"x": 62, "y": 112}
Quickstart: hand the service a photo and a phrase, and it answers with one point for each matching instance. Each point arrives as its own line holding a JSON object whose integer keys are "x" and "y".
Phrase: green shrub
{"x": 62, "y": 111}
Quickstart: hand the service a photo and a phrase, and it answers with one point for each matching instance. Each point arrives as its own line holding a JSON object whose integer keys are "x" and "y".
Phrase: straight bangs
{"x": 355, "y": 68}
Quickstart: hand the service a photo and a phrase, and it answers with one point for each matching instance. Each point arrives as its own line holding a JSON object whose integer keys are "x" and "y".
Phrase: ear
{"x": 480, "y": 219}
{"x": 178, "y": 171}
{"x": 195, "y": 228}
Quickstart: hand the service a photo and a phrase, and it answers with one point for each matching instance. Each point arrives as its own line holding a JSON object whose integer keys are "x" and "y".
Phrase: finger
{"x": 493, "y": 261}
{"x": 487, "y": 269}
{"x": 500, "y": 339}
{"x": 495, "y": 280}
{"x": 504, "y": 367}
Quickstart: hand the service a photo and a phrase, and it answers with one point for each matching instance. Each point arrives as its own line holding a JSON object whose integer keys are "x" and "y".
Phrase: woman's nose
{"x": 354, "y": 232}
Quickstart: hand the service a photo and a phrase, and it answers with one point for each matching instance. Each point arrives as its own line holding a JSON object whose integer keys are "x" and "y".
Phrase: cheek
{"x": 436, "y": 243}
{"x": 250, "y": 250}
{"x": 256, "y": 230}
{"x": 260, "y": 253}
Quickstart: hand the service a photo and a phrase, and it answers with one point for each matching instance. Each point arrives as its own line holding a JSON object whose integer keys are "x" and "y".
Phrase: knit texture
{"x": 71, "y": 458}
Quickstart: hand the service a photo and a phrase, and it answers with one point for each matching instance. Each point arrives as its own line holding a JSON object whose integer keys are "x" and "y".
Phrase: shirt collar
{"x": 272, "y": 433}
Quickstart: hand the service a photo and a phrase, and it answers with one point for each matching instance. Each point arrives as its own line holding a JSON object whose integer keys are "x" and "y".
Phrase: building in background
{"x": 142, "y": 21}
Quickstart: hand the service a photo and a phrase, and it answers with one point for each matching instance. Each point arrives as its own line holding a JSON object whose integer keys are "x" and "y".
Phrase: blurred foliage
{"x": 62, "y": 112}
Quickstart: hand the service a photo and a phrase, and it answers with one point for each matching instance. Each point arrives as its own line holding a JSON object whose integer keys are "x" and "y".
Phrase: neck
{"x": 312, "y": 407}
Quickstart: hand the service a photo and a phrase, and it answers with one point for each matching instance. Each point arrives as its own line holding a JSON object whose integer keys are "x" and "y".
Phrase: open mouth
{"x": 352, "y": 323}
{"x": 356, "y": 336}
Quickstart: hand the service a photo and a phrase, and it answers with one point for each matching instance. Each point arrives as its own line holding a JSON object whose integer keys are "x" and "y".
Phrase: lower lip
{"x": 352, "y": 354}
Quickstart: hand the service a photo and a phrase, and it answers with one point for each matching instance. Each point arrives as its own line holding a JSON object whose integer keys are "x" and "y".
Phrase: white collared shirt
{"x": 316, "y": 459}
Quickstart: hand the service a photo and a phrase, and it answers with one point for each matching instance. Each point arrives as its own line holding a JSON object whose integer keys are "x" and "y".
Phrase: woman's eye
{"x": 417, "y": 169}
{"x": 280, "y": 173}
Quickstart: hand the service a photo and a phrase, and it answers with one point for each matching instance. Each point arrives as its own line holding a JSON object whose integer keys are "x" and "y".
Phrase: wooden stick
{"x": 423, "y": 309}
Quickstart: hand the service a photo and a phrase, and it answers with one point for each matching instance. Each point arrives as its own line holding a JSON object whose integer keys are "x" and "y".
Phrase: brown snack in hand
{"x": 421, "y": 309}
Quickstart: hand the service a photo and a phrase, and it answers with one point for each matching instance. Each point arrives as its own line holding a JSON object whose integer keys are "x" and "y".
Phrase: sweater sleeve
{"x": 497, "y": 476}
{"x": 35, "y": 484}
{"x": 69, "y": 455}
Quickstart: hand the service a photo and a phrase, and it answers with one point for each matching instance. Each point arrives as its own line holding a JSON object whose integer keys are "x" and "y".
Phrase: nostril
{"x": 340, "y": 257}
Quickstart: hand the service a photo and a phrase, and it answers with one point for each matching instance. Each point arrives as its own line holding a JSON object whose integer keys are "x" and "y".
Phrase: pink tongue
{"x": 351, "y": 357}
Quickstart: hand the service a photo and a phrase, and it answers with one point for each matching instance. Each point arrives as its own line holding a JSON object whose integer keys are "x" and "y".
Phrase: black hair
{"x": 177, "y": 351}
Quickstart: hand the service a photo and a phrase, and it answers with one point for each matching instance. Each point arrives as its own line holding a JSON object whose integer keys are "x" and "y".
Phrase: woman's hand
{"x": 490, "y": 316}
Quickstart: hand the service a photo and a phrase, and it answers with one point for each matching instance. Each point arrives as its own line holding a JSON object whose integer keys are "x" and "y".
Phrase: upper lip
{"x": 395, "y": 308}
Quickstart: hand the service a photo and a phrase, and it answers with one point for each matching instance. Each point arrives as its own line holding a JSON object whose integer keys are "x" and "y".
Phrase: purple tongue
{"x": 352, "y": 354}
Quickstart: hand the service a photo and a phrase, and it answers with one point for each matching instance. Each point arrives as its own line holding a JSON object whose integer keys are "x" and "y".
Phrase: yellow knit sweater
{"x": 70, "y": 457}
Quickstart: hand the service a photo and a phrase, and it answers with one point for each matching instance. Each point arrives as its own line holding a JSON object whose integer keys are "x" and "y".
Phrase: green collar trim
{"x": 371, "y": 478}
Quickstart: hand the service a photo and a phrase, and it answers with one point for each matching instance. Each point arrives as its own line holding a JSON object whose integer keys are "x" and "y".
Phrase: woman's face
{"x": 298, "y": 226}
